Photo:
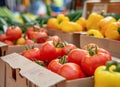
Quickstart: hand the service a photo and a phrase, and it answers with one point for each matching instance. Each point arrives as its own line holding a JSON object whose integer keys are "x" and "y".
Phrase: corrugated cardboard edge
{"x": 82, "y": 82}
{"x": 20, "y": 48}
{"x": 32, "y": 71}
{"x": 2, "y": 74}
{"x": 3, "y": 48}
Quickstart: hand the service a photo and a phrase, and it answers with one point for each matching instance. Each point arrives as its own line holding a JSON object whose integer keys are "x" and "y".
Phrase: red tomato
{"x": 35, "y": 33}
{"x": 28, "y": 41}
{"x": 32, "y": 54}
{"x": 55, "y": 65}
{"x": 14, "y": 32}
{"x": 54, "y": 38}
{"x": 3, "y": 37}
{"x": 47, "y": 51}
{"x": 59, "y": 52}
{"x": 71, "y": 71}
{"x": 94, "y": 58}
{"x": 76, "y": 56}
{"x": 8, "y": 42}
{"x": 66, "y": 49}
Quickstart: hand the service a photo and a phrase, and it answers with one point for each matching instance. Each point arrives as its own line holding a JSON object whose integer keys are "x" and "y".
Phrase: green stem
{"x": 110, "y": 63}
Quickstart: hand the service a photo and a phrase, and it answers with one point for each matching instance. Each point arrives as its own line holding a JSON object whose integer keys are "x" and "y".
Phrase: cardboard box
{"x": 21, "y": 72}
{"x": 5, "y": 49}
{"x": 73, "y": 38}
{"x": 113, "y": 46}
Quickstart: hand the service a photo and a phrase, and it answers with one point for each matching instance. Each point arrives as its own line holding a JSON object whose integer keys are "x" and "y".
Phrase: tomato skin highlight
{"x": 69, "y": 47}
{"x": 54, "y": 65}
{"x": 47, "y": 51}
{"x": 32, "y": 54}
{"x": 76, "y": 56}
{"x": 71, "y": 71}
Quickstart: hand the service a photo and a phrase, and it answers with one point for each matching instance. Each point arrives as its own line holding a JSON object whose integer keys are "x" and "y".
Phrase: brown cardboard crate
{"x": 98, "y": 6}
{"x": 5, "y": 49}
{"x": 21, "y": 72}
{"x": 73, "y": 38}
{"x": 113, "y": 46}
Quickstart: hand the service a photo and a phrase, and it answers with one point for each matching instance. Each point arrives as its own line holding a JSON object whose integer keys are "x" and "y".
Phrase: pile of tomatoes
{"x": 14, "y": 35}
{"x": 67, "y": 60}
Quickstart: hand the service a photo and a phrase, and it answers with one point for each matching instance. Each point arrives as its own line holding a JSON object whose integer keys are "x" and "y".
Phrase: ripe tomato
{"x": 32, "y": 54}
{"x": 71, "y": 71}
{"x": 76, "y": 56}
{"x": 67, "y": 48}
{"x": 35, "y": 33}
{"x": 54, "y": 38}
{"x": 55, "y": 65}
{"x": 94, "y": 58}
{"x": 28, "y": 41}
{"x": 3, "y": 37}
{"x": 47, "y": 51}
{"x": 14, "y": 32}
{"x": 8, "y": 42}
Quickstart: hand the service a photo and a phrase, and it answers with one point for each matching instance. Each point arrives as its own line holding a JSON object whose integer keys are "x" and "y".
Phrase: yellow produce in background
{"x": 70, "y": 27}
{"x": 93, "y": 20}
{"x": 55, "y": 22}
{"x": 104, "y": 23}
{"x": 52, "y": 23}
{"x": 95, "y": 33}
{"x": 21, "y": 41}
{"x": 26, "y": 3}
{"x": 33, "y": 17}
{"x": 82, "y": 22}
{"x": 113, "y": 31}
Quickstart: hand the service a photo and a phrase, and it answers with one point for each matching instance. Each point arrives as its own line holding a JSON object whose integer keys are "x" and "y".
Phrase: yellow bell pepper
{"x": 70, "y": 27}
{"x": 52, "y": 23}
{"x": 104, "y": 23}
{"x": 95, "y": 33}
{"x": 82, "y": 22}
{"x": 93, "y": 20}
{"x": 108, "y": 76}
{"x": 113, "y": 31}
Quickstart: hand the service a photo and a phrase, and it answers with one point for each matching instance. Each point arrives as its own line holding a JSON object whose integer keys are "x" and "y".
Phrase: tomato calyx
{"x": 119, "y": 30}
{"x": 41, "y": 63}
{"x": 93, "y": 50}
{"x": 59, "y": 44}
{"x": 63, "y": 60}
{"x": 28, "y": 47}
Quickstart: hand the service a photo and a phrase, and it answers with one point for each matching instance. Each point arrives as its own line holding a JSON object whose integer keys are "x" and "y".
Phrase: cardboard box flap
{"x": 35, "y": 73}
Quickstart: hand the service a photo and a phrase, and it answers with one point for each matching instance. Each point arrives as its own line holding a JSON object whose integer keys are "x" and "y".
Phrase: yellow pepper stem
{"x": 110, "y": 63}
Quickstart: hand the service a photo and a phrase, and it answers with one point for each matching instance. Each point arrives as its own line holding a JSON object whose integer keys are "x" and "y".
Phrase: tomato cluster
{"x": 67, "y": 60}
{"x": 33, "y": 35}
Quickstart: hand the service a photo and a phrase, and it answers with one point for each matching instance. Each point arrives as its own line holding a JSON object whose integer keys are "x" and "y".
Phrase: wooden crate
{"x": 106, "y": 5}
